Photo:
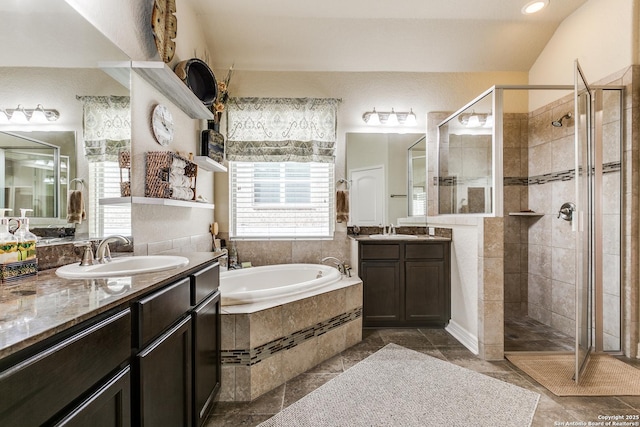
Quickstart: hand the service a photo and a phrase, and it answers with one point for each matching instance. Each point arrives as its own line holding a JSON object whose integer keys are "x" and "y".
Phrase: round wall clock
{"x": 162, "y": 124}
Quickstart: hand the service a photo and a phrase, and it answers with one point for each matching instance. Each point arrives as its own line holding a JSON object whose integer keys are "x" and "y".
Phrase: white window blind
{"x": 281, "y": 200}
{"x": 104, "y": 182}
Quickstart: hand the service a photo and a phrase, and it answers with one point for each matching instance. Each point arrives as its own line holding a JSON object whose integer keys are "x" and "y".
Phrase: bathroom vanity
{"x": 139, "y": 350}
{"x": 406, "y": 283}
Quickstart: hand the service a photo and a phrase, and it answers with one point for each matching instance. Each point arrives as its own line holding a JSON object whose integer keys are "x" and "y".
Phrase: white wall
{"x": 360, "y": 92}
{"x": 601, "y": 35}
{"x": 127, "y": 24}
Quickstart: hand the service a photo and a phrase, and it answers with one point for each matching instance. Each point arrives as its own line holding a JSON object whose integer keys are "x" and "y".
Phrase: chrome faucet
{"x": 103, "y": 254}
{"x": 340, "y": 265}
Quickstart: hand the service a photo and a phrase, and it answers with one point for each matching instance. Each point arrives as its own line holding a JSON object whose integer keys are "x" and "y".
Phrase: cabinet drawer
{"x": 160, "y": 310}
{"x": 204, "y": 283}
{"x": 425, "y": 251}
{"x": 35, "y": 390}
{"x": 375, "y": 251}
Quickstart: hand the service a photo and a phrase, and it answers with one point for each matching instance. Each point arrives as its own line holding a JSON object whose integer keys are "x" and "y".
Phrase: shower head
{"x": 558, "y": 123}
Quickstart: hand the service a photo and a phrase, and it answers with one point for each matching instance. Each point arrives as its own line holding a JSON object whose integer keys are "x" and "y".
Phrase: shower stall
{"x": 554, "y": 173}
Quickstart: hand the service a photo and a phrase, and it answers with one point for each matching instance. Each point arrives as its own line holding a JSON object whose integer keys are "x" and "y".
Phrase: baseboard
{"x": 465, "y": 337}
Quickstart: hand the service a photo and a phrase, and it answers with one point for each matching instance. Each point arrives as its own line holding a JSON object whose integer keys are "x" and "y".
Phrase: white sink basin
{"x": 128, "y": 266}
{"x": 392, "y": 236}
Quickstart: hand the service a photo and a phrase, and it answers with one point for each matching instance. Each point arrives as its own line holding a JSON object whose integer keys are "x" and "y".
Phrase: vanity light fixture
{"x": 475, "y": 120}
{"x": 534, "y": 6}
{"x": 20, "y": 115}
{"x": 390, "y": 118}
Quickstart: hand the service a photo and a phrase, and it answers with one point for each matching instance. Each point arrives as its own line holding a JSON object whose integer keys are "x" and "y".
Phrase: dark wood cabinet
{"x": 164, "y": 379}
{"x": 381, "y": 293}
{"x": 405, "y": 283}
{"x": 109, "y": 406}
{"x": 206, "y": 357}
{"x": 153, "y": 360}
{"x": 40, "y": 388}
{"x": 178, "y": 373}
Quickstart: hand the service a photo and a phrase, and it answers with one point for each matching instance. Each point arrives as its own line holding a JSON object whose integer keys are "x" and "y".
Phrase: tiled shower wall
{"x": 551, "y": 247}
{"x": 550, "y": 258}
{"x": 515, "y": 167}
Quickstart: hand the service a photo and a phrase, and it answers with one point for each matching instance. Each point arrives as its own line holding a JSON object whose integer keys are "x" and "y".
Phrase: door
{"x": 583, "y": 222}
{"x": 206, "y": 357}
{"x": 165, "y": 374}
{"x": 366, "y": 197}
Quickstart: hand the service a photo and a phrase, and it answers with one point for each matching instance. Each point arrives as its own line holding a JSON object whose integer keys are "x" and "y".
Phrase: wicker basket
{"x": 124, "y": 161}
{"x": 158, "y": 165}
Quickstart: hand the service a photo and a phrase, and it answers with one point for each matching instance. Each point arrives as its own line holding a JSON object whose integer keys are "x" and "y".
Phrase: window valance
{"x": 281, "y": 129}
{"x": 106, "y": 126}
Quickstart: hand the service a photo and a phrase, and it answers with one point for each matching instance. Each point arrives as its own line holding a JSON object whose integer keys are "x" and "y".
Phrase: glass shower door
{"x": 583, "y": 221}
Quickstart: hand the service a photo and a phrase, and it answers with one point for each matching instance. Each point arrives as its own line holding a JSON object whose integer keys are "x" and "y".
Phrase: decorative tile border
{"x": 249, "y": 357}
{"x": 566, "y": 175}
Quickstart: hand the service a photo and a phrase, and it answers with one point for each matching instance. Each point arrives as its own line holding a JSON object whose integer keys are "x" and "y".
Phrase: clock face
{"x": 162, "y": 125}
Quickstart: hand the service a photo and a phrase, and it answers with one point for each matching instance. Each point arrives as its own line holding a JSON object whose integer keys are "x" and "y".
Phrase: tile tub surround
{"x": 265, "y": 347}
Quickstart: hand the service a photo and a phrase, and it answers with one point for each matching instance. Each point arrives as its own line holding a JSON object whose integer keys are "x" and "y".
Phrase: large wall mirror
{"x": 387, "y": 178}
{"x": 37, "y": 168}
{"x": 53, "y": 57}
{"x": 465, "y": 158}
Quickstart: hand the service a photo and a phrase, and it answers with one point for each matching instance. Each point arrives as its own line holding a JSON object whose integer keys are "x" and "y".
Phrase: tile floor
{"x": 551, "y": 410}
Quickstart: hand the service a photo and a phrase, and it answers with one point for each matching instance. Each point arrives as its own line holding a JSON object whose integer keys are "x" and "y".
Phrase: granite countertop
{"x": 38, "y": 307}
{"x": 420, "y": 238}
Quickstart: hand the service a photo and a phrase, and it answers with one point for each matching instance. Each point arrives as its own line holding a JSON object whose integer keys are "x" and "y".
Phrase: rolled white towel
{"x": 178, "y": 163}
{"x": 176, "y": 170}
{"x": 179, "y": 180}
{"x": 182, "y": 193}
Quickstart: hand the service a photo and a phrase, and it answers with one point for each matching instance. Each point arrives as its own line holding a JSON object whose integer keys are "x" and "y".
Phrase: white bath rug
{"x": 400, "y": 387}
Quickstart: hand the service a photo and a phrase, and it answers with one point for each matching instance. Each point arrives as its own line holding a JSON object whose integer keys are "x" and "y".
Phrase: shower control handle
{"x": 566, "y": 211}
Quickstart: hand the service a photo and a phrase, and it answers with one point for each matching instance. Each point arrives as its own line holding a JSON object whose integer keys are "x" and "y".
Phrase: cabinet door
{"x": 110, "y": 406}
{"x": 381, "y": 292}
{"x": 164, "y": 370}
{"x": 206, "y": 357}
{"x": 426, "y": 299}
{"x": 36, "y": 389}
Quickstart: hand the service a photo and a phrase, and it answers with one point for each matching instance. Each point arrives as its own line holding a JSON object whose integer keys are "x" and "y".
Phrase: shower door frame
{"x": 596, "y": 317}
{"x": 586, "y": 225}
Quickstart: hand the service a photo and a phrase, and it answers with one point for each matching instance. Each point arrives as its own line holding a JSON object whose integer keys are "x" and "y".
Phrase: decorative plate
{"x": 165, "y": 28}
{"x": 162, "y": 125}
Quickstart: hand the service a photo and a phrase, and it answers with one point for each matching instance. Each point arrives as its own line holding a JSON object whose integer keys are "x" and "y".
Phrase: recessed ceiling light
{"x": 534, "y": 6}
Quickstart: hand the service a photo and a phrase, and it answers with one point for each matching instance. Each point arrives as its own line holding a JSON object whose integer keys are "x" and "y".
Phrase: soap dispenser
{"x": 26, "y": 239}
{"x": 8, "y": 242}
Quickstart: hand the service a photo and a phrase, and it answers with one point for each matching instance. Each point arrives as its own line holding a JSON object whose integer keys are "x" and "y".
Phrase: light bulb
{"x": 393, "y": 119}
{"x": 19, "y": 115}
{"x": 474, "y": 121}
{"x": 534, "y": 6}
{"x": 411, "y": 119}
{"x": 374, "y": 118}
{"x": 38, "y": 115}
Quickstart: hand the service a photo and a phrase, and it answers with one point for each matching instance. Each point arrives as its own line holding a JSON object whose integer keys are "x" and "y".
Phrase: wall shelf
{"x": 160, "y": 76}
{"x": 207, "y": 163}
{"x": 530, "y": 214}
{"x": 155, "y": 201}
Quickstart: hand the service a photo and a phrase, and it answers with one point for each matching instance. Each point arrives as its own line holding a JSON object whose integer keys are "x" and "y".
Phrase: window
{"x": 285, "y": 200}
{"x": 104, "y": 220}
